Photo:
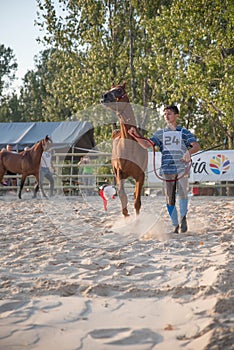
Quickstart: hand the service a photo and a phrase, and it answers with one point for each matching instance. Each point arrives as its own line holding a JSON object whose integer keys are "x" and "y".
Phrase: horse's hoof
{"x": 125, "y": 212}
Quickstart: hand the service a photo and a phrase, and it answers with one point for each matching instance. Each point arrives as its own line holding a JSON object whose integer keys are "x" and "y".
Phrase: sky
{"x": 17, "y": 31}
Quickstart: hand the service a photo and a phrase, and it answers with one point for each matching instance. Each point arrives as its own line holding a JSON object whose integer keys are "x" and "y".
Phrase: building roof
{"x": 63, "y": 134}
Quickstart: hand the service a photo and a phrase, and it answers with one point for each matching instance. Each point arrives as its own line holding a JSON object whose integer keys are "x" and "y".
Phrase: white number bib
{"x": 172, "y": 140}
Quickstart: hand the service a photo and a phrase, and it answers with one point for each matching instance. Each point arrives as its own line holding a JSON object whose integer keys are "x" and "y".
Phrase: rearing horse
{"x": 129, "y": 159}
{"x": 25, "y": 163}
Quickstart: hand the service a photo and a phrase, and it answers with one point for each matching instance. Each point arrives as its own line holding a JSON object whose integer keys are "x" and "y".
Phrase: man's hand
{"x": 133, "y": 132}
{"x": 186, "y": 157}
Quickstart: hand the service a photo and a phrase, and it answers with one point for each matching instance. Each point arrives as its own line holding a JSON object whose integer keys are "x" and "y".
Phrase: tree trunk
{"x": 131, "y": 55}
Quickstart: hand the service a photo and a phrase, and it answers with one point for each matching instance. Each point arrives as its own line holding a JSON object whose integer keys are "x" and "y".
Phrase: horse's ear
{"x": 124, "y": 84}
{"x": 113, "y": 85}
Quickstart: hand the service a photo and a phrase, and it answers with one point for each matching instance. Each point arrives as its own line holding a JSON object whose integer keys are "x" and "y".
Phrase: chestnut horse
{"x": 25, "y": 163}
{"x": 129, "y": 159}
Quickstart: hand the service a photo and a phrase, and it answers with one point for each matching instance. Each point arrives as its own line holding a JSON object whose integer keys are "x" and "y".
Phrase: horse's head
{"x": 115, "y": 95}
{"x": 47, "y": 143}
{"x": 117, "y": 100}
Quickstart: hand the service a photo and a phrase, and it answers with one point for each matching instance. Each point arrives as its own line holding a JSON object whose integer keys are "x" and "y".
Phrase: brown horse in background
{"x": 25, "y": 163}
{"x": 129, "y": 159}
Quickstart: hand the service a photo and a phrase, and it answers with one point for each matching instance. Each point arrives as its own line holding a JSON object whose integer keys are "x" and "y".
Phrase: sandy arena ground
{"x": 75, "y": 277}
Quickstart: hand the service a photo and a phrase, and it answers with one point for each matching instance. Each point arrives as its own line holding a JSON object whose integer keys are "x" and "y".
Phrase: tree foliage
{"x": 10, "y": 109}
{"x": 38, "y": 93}
{"x": 8, "y": 67}
{"x": 168, "y": 51}
{"x": 193, "y": 64}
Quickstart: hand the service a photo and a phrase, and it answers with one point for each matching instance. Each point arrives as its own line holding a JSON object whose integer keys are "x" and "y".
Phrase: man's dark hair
{"x": 172, "y": 108}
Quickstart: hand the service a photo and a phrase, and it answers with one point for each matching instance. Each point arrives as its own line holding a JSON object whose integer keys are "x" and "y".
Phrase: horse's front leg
{"x": 137, "y": 193}
{"x": 21, "y": 185}
{"x": 122, "y": 196}
{"x": 36, "y": 187}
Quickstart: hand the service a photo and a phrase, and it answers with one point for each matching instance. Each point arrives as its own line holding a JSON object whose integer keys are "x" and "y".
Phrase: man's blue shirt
{"x": 171, "y": 159}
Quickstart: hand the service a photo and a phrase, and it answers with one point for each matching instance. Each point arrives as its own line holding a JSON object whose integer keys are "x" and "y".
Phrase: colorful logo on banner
{"x": 219, "y": 164}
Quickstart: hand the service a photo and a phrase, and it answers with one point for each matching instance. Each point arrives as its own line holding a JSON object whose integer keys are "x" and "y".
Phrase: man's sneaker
{"x": 184, "y": 226}
{"x": 176, "y": 230}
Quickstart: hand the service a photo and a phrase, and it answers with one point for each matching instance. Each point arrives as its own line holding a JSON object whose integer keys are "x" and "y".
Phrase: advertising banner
{"x": 212, "y": 166}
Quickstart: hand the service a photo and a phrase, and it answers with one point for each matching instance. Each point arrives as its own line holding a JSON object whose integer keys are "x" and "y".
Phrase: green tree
{"x": 37, "y": 98}
{"x": 10, "y": 109}
{"x": 167, "y": 51}
{"x": 193, "y": 64}
{"x": 8, "y": 67}
{"x": 97, "y": 44}
{"x": 31, "y": 96}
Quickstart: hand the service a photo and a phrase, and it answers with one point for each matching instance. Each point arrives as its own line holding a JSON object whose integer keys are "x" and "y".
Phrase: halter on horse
{"x": 129, "y": 159}
{"x": 25, "y": 163}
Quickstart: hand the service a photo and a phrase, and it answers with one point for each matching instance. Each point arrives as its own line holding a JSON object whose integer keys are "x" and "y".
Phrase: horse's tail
{"x": 2, "y": 168}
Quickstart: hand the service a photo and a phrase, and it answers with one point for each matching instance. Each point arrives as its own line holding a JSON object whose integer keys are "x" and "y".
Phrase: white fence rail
{"x": 70, "y": 180}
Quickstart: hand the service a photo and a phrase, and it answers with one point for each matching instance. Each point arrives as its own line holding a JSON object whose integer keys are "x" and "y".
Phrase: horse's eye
{"x": 119, "y": 91}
